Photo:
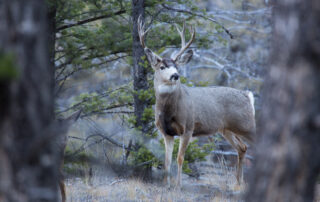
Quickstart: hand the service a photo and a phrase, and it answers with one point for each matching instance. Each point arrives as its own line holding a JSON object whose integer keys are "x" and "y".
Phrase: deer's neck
{"x": 167, "y": 96}
{"x": 167, "y": 90}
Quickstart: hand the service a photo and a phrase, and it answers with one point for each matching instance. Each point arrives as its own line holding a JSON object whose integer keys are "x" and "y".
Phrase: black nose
{"x": 175, "y": 76}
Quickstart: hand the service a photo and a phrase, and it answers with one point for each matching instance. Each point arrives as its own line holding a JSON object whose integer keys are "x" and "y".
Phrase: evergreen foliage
{"x": 92, "y": 34}
{"x": 8, "y": 68}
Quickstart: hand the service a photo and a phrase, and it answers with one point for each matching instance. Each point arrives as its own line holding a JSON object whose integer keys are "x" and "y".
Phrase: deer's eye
{"x": 162, "y": 67}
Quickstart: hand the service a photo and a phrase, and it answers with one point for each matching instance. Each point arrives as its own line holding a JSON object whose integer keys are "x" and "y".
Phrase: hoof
{"x": 177, "y": 187}
{"x": 166, "y": 184}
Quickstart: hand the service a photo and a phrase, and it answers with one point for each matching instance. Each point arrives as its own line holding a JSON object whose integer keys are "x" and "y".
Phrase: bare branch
{"x": 103, "y": 137}
{"x": 105, "y": 110}
{"x": 199, "y": 15}
{"x": 90, "y": 20}
{"x": 116, "y": 181}
{"x": 144, "y": 163}
{"x": 105, "y": 94}
{"x": 70, "y": 60}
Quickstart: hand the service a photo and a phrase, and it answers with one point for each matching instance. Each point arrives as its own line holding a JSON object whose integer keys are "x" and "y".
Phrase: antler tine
{"x": 182, "y": 33}
{"x": 141, "y": 31}
{"x": 184, "y": 46}
{"x": 141, "y": 37}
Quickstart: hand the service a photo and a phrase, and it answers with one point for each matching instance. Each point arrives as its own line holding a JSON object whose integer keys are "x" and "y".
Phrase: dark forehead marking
{"x": 168, "y": 62}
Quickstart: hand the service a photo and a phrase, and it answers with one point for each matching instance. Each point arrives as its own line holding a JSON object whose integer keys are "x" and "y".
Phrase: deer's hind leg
{"x": 241, "y": 148}
{"x": 62, "y": 190}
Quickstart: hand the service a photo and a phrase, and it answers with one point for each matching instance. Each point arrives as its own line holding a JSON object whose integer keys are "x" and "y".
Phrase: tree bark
{"x": 288, "y": 152}
{"x": 29, "y": 158}
{"x": 140, "y": 80}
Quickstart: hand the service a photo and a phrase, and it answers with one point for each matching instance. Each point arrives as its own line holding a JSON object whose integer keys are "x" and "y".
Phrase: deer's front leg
{"x": 184, "y": 141}
{"x": 168, "y": 142}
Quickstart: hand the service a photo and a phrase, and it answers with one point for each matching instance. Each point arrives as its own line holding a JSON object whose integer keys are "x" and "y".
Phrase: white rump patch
{"x": 251, "y": 98}
{"x": 163, "y": 89}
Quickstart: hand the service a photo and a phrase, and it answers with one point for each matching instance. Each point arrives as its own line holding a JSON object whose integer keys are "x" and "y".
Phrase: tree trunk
{"x": 288, "y": 159}
{"x": 140, "y": 80}
{"x": 52, "y": 11}
{"x": 29, "y": 159}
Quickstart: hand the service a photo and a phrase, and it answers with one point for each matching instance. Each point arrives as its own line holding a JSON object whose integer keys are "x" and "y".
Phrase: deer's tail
{"x": 251, "y": 98}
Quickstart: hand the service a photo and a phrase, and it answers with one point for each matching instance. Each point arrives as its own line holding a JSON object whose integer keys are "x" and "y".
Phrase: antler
{"x": 142, "y": 35}
{"x": 141, "y": 32}
{"x": 184, "y": 46}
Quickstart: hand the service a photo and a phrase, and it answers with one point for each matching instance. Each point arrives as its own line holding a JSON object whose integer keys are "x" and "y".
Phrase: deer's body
{"x": 186, "y": 112}
{"x": 204, "y": 111}
{"x": 190, "y": 112}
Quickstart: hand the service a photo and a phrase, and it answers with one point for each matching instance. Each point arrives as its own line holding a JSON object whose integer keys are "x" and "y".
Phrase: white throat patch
{"x": 162, "y": 89}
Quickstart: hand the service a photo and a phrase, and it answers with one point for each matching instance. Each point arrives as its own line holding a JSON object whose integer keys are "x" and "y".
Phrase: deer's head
{"x": 166, "y": 69}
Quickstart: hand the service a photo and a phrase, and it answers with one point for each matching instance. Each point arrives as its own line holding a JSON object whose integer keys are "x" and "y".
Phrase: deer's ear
{"x": 152, "y": 57}
{"x": 185, "y": 57}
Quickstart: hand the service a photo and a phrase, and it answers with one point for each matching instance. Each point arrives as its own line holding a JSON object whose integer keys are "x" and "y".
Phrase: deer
{"x": 196, "y": 111}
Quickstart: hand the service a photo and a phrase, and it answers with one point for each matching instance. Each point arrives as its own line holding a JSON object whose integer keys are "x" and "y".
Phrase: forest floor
{"x": 216, "y": 183}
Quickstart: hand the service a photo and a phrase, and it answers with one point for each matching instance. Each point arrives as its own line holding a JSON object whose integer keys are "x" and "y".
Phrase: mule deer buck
{"x": 194, "y": 111}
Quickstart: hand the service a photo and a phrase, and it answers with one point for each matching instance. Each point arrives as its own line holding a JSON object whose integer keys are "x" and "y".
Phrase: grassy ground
{"x": 216, "y": 183}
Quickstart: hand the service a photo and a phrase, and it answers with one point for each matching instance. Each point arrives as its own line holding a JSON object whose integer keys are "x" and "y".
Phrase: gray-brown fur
{"x": 205, "y": 111}
{"x": 186, "y": 112}
{"x": 208, "y": 109}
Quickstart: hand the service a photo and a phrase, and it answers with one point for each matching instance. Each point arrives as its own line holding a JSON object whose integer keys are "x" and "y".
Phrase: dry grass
{"x": 217, "y": 183}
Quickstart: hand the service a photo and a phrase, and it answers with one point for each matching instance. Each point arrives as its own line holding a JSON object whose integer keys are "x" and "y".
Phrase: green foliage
{"x": 193, "y": 153}
{"x": 146, "y": 95}
{"x": 132, "y": 120}
{"x": 8, "y": 68}
{"x": 90, "y": 102}
{"x": 147, "y": 114}
{"x": 121, "y": 96}
{"x": 94, "y": 103}
{"x": 144, "y": 157}
{"x": 202, "y": 83}
{"x": 80, "y": 158}
{"x": 222, "y": 40}
{"x": 192, "y": 83}
{"x": 106, "y": 39}
{"x": 183, "y": 80}
{"x": 78, "y": 163}
{"x": 204, "y": 42}
{"x": 79, "y": 45}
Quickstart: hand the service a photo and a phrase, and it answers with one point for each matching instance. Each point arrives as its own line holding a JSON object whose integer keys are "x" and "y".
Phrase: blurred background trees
{"x": 29, "y": 151}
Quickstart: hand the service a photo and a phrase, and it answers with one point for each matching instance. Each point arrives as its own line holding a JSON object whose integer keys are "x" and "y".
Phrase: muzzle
{"x": 175, "y": 77}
